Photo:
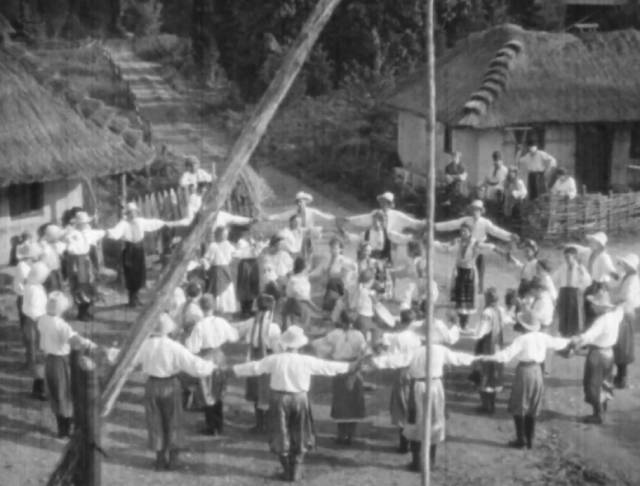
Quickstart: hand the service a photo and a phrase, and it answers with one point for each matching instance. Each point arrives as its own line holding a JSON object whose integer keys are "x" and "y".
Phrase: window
{"x": 25, "y": 199}
{"x": 634, "y": 146}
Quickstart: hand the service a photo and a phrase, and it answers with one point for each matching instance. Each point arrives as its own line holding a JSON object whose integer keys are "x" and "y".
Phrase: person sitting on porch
{"x": 515, "y": 191}
{"x": 494, "y": 182}
{"x": 538, "y": 164}
{"x": 194, "y": 174}
{"x": 565, "y": 185}
{"x": 455, "y": 175}
{"x": 481, "y": 227}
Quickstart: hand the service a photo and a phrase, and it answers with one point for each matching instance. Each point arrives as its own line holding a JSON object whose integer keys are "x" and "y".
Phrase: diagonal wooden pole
{"x": 430, "y": 210}
{"x": 215, "y": 198}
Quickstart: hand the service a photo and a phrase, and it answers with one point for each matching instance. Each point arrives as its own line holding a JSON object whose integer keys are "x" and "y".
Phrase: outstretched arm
{"x": 452, "y": 225}
{"x": 321, "y": 215}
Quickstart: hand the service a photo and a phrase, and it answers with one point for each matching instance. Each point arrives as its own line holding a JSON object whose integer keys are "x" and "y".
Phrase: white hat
{"x": 528, "y": 321}
{"x": 57, "y": 303}
{"x": 165, "y": 325}
{"x": 477, "y": 204}
{"x": 82, "y": 217}
{"x": 631, "y": 260}
{"x": 28, "y": 249}
{"x": 387, "y": 196}
{"x": 38, "y": 273}
{"x": 598, "y": 237}
{"x": 53, "y": 232}
{"x": 304, "y": 196}
{"x": 131, "y": 207}
{"x": 293, "y": 338}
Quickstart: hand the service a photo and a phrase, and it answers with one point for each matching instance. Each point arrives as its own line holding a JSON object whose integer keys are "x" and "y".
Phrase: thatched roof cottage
{"x": 579, "y": 95}
{"x": 46, "y": 150}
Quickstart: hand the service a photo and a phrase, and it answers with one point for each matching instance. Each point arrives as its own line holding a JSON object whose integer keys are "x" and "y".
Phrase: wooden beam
{"x": 214, "y": 199}
{"x": 430, "y": 216}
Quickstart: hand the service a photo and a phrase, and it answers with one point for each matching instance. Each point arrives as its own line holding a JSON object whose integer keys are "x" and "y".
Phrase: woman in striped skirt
{"x": 530, "y": 350}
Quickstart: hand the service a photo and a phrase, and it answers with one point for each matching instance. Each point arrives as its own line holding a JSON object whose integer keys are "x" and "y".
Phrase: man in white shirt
{"x": 494, "y": 182}
{"x": 131, "y": 230}
{"x": 394, "y": 220}
{"x": 194, "y": 175}
{"x": 162, "y": 360}
{"x": 538, "y": 164}
{"x": 565, "y": 185}
{"x": 599, "y": 339}
{"x": 290, "y": 379}
{"x": 481, "y": 228}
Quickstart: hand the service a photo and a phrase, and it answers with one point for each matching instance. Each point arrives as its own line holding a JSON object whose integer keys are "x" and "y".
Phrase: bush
{"x": 161, "y": 48}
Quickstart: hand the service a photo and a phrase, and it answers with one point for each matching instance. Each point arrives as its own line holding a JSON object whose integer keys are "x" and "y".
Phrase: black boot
{"x": 286, "y": 468}
{"x": 596, "y": 418}
{"x": 209, "y": 421}
{"x": 484, "y": 406}
{"x": 519, "y": 443}
{"x": 60, "y": 423}
{"x": 174, "y": 457}
{"x": 403, "y": 446}
{"x": 218, "y": 416}
{"x": 37, "y": 390}
{"x": 260, "y": 426}
{"x": 161, "y": 461}
{"x": 491, "y": 401}
{"x": 463, "y": 319}
{"x": 529, "y": 430}
{"x": 432, "y": 455}
{"x": 620, "y": 381}
{"x": 416, "y": 460}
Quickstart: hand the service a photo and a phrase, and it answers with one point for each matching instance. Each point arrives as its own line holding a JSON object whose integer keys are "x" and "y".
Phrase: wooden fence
{"x": 560, "y": 219}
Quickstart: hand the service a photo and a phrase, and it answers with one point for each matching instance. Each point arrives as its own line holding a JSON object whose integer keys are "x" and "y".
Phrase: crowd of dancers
{"x": 261, "y": 292}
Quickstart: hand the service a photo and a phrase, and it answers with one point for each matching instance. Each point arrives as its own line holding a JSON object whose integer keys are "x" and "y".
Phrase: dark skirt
{"x": 218, "y": 279}
{"x": 134, "y": 268}
{"x": 291, "y": 429}
{"x": 212, "y": 387}
{"x": 624, "y": 350}
{"x": 53, "y": 282}
{"x": 257, "y": 389}
{"x": 570, "y": 311}
{"x": 400, "y": 395}
{"x": 334, "y": 291}
{"x": 347, "y": 403}
{"x": 463, "y": 293}
{"x": 490, "y": 373}
{"x": 248, "y": 286}
{"x": 81, "y": 278}
{"x": 536, "y": 184}
{"x": 589, "y": 314}
{"x": 598, "y": 375}
{"x": 163, "y": 410}
{"x": 30, "y": 337}
{"x": 57, "y": 375}
{"x": 527, "y": 390}
{"x": 295, "y": 312}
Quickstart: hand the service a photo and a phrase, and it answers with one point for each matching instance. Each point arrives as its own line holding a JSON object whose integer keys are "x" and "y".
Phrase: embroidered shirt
{"x": 162, "y": 357}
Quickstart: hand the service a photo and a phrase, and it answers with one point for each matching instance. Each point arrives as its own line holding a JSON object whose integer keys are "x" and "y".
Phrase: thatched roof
{"x": 42, "y": 138}
{"x": 509, "y": 76}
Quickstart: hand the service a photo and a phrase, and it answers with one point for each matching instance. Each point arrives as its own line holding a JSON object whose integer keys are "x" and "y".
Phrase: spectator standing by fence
{"x": 538, "y": 164}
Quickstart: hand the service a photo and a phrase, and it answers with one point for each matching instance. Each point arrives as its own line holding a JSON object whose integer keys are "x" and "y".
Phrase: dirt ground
{"x": 567, "y": 452}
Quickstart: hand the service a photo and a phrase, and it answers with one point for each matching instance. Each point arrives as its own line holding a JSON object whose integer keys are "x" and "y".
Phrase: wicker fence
{"x": 559, "y": 219}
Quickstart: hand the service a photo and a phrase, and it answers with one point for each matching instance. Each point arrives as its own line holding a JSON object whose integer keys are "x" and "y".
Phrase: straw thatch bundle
{"x": 507, "y": 76}
{"x": 42, "y": 138}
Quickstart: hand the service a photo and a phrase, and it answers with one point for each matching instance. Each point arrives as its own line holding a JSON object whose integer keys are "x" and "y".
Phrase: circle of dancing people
{"x": 591, "y": 295}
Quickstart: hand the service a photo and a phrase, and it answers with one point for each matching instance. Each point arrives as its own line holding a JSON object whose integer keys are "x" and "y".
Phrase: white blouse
{"x": 211, "y": 333}
{"x": 20, "y": 275}
{"x": 565, "y": 188}
{"x": 481, "y": 228}
{"x": 577, "y": 277}
{"x": 603, "y": 333}
{"x": 51, "y": 253}
{"x": 299, "y": 287}
{"x": 34, "y": 302}
{"x": 162, "y": 357}
{"x": 601, "y": 268}
{"x": 401, "y": 342}
{"x": 531, "y": 347}
{"x": 220, "y": 253}
{"x": 341, "y": 345}
{"x": 397, "y": 221}
{"x": 133, "y": 231}
{"x": 416, "y": 361}
{"x": 79, "y": 242}
{"x": 194, "y": 178}
{"x": 628, "y": 293}
{"x": 56, "y": 335}
{"x": 281, "y": 263}
{"x": 291, "y": 372}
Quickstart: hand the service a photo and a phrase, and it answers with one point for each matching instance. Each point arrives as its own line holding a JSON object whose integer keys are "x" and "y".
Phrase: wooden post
{"x": 81, "y": 462}
{"x": 430, "y": 215}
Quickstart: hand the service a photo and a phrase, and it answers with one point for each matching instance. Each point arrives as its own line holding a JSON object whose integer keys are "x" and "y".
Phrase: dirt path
{"x": 474, "y": 453}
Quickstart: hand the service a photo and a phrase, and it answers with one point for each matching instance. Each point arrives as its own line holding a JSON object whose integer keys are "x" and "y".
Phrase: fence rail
{"x": 552, "y": 218}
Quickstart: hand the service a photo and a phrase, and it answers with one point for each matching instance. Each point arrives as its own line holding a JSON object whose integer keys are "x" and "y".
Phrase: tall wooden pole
{"x": 430, "y": 215}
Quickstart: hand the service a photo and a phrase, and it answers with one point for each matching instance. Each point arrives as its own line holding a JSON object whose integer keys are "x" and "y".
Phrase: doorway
{"x": 594, "y": 143}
